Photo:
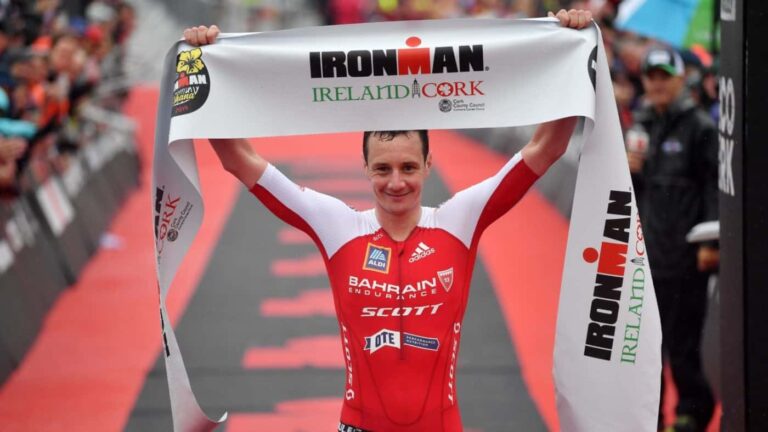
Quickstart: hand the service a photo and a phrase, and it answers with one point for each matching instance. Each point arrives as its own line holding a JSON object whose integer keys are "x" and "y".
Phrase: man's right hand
{"x": 201, "y": 35}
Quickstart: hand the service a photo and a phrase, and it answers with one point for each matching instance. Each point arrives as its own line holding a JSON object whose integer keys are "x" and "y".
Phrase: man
{"x": 672, "y": 151}
{"x": 400, "y": 272}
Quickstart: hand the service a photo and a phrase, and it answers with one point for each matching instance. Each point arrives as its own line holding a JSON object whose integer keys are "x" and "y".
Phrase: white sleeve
{"x": 328, "y": 220}
{"x": 470, "y": 211}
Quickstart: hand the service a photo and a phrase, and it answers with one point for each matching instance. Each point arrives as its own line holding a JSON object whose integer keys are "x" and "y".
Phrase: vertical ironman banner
{"x": 433, "y": 75}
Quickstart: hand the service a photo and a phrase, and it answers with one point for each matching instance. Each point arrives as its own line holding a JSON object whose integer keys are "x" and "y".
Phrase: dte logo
{"x": 382, "y": 338}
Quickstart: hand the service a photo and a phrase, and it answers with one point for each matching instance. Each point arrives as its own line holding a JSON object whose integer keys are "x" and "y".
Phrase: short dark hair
{"x": 390, "y": 135}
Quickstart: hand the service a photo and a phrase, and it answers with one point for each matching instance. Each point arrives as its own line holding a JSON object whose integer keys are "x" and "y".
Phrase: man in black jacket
{"x": 672, "y": 151}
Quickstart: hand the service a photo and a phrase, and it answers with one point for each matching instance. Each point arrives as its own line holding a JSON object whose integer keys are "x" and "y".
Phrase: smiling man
{"x": 400, "y": 272}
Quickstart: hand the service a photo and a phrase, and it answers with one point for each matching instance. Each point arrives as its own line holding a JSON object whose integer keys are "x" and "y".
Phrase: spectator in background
{"x": 5, "y": 59}
{"x": 28, "y": 93}
{"x": 14, "y": 136}
{"x": 628, "y": 51}
{"x": 708, "y": 93}
{"x": 126, "y": 22}
{"x": 701, "y": 79}
{"x": 11, "y": 150}
{"x": 489, "y": 9}
{"x": 347, "y": 11}
{"x": 51, "y": 62}
{"x": 672, "y": 151}
{"x": 625, "y": 95}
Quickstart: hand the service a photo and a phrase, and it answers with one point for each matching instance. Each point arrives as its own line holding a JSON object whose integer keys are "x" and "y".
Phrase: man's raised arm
{"x": 550, "y": 140}
{"x": 238, "y": 157}
{"x": 236, "y": 154}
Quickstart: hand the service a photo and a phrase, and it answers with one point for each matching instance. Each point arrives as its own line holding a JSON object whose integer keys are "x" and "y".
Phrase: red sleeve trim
{"x": 512, "y": 188}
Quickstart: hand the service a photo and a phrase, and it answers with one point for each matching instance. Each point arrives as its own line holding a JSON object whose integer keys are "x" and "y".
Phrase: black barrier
{"x": 50, "y": 231}
{"x": 93, "y": 217}
{"x": 743, "y": 214}
{"x": 54, "y": 210}
{"x": 100, "y": 181}
{"x": 30, "y": 281}
{"x": 35, "y": 259}
{"x": 125, "y": 165}
{"x": 20, "y": 318}
{"x": 7, "y": 365}
{"x": 112, "y": 152}
{"x": 97, "y": 188}
{"x": 90, "y": 213}
{"x": 118, "y": 163}
{"x": 18, "y": 323}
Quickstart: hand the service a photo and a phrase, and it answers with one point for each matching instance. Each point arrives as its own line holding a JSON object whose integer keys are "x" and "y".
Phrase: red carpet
{"x": 102, "y": 336}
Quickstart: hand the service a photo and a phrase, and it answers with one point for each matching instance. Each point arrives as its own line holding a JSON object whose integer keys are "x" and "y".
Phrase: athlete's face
{"x": 397, "y": 171}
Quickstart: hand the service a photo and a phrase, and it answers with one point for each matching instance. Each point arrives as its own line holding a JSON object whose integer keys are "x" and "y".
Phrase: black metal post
{"x": 744, "y": 215}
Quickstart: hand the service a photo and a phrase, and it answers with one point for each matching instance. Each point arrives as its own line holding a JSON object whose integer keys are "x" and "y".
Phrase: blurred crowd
{"x": 356, "y": 11}
{"x": 55, "y": 57}
{"x": 626, "y": 52}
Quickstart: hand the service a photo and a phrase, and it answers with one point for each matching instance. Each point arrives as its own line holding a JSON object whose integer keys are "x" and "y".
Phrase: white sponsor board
{"x": 433, "y": 75}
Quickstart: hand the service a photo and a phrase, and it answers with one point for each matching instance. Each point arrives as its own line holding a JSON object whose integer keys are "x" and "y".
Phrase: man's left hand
{"x": 574, "y": 18}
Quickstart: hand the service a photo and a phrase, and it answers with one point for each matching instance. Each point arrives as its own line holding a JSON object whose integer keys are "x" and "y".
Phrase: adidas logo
{"x": 422, "y": 251}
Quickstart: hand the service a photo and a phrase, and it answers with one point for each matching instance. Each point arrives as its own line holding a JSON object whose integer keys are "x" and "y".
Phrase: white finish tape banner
{"x": 433, "y": 75}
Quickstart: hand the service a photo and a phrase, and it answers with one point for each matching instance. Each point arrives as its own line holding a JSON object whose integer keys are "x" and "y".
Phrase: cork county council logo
{"x": 445, "y": 105}
{"x": 192, "y": 84}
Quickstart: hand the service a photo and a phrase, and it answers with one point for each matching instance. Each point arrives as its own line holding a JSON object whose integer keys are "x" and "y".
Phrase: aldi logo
{"x": 377, "y": 258}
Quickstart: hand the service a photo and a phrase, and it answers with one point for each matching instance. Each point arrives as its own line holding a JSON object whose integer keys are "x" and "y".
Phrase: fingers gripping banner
{"x": 433, "y": 75}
